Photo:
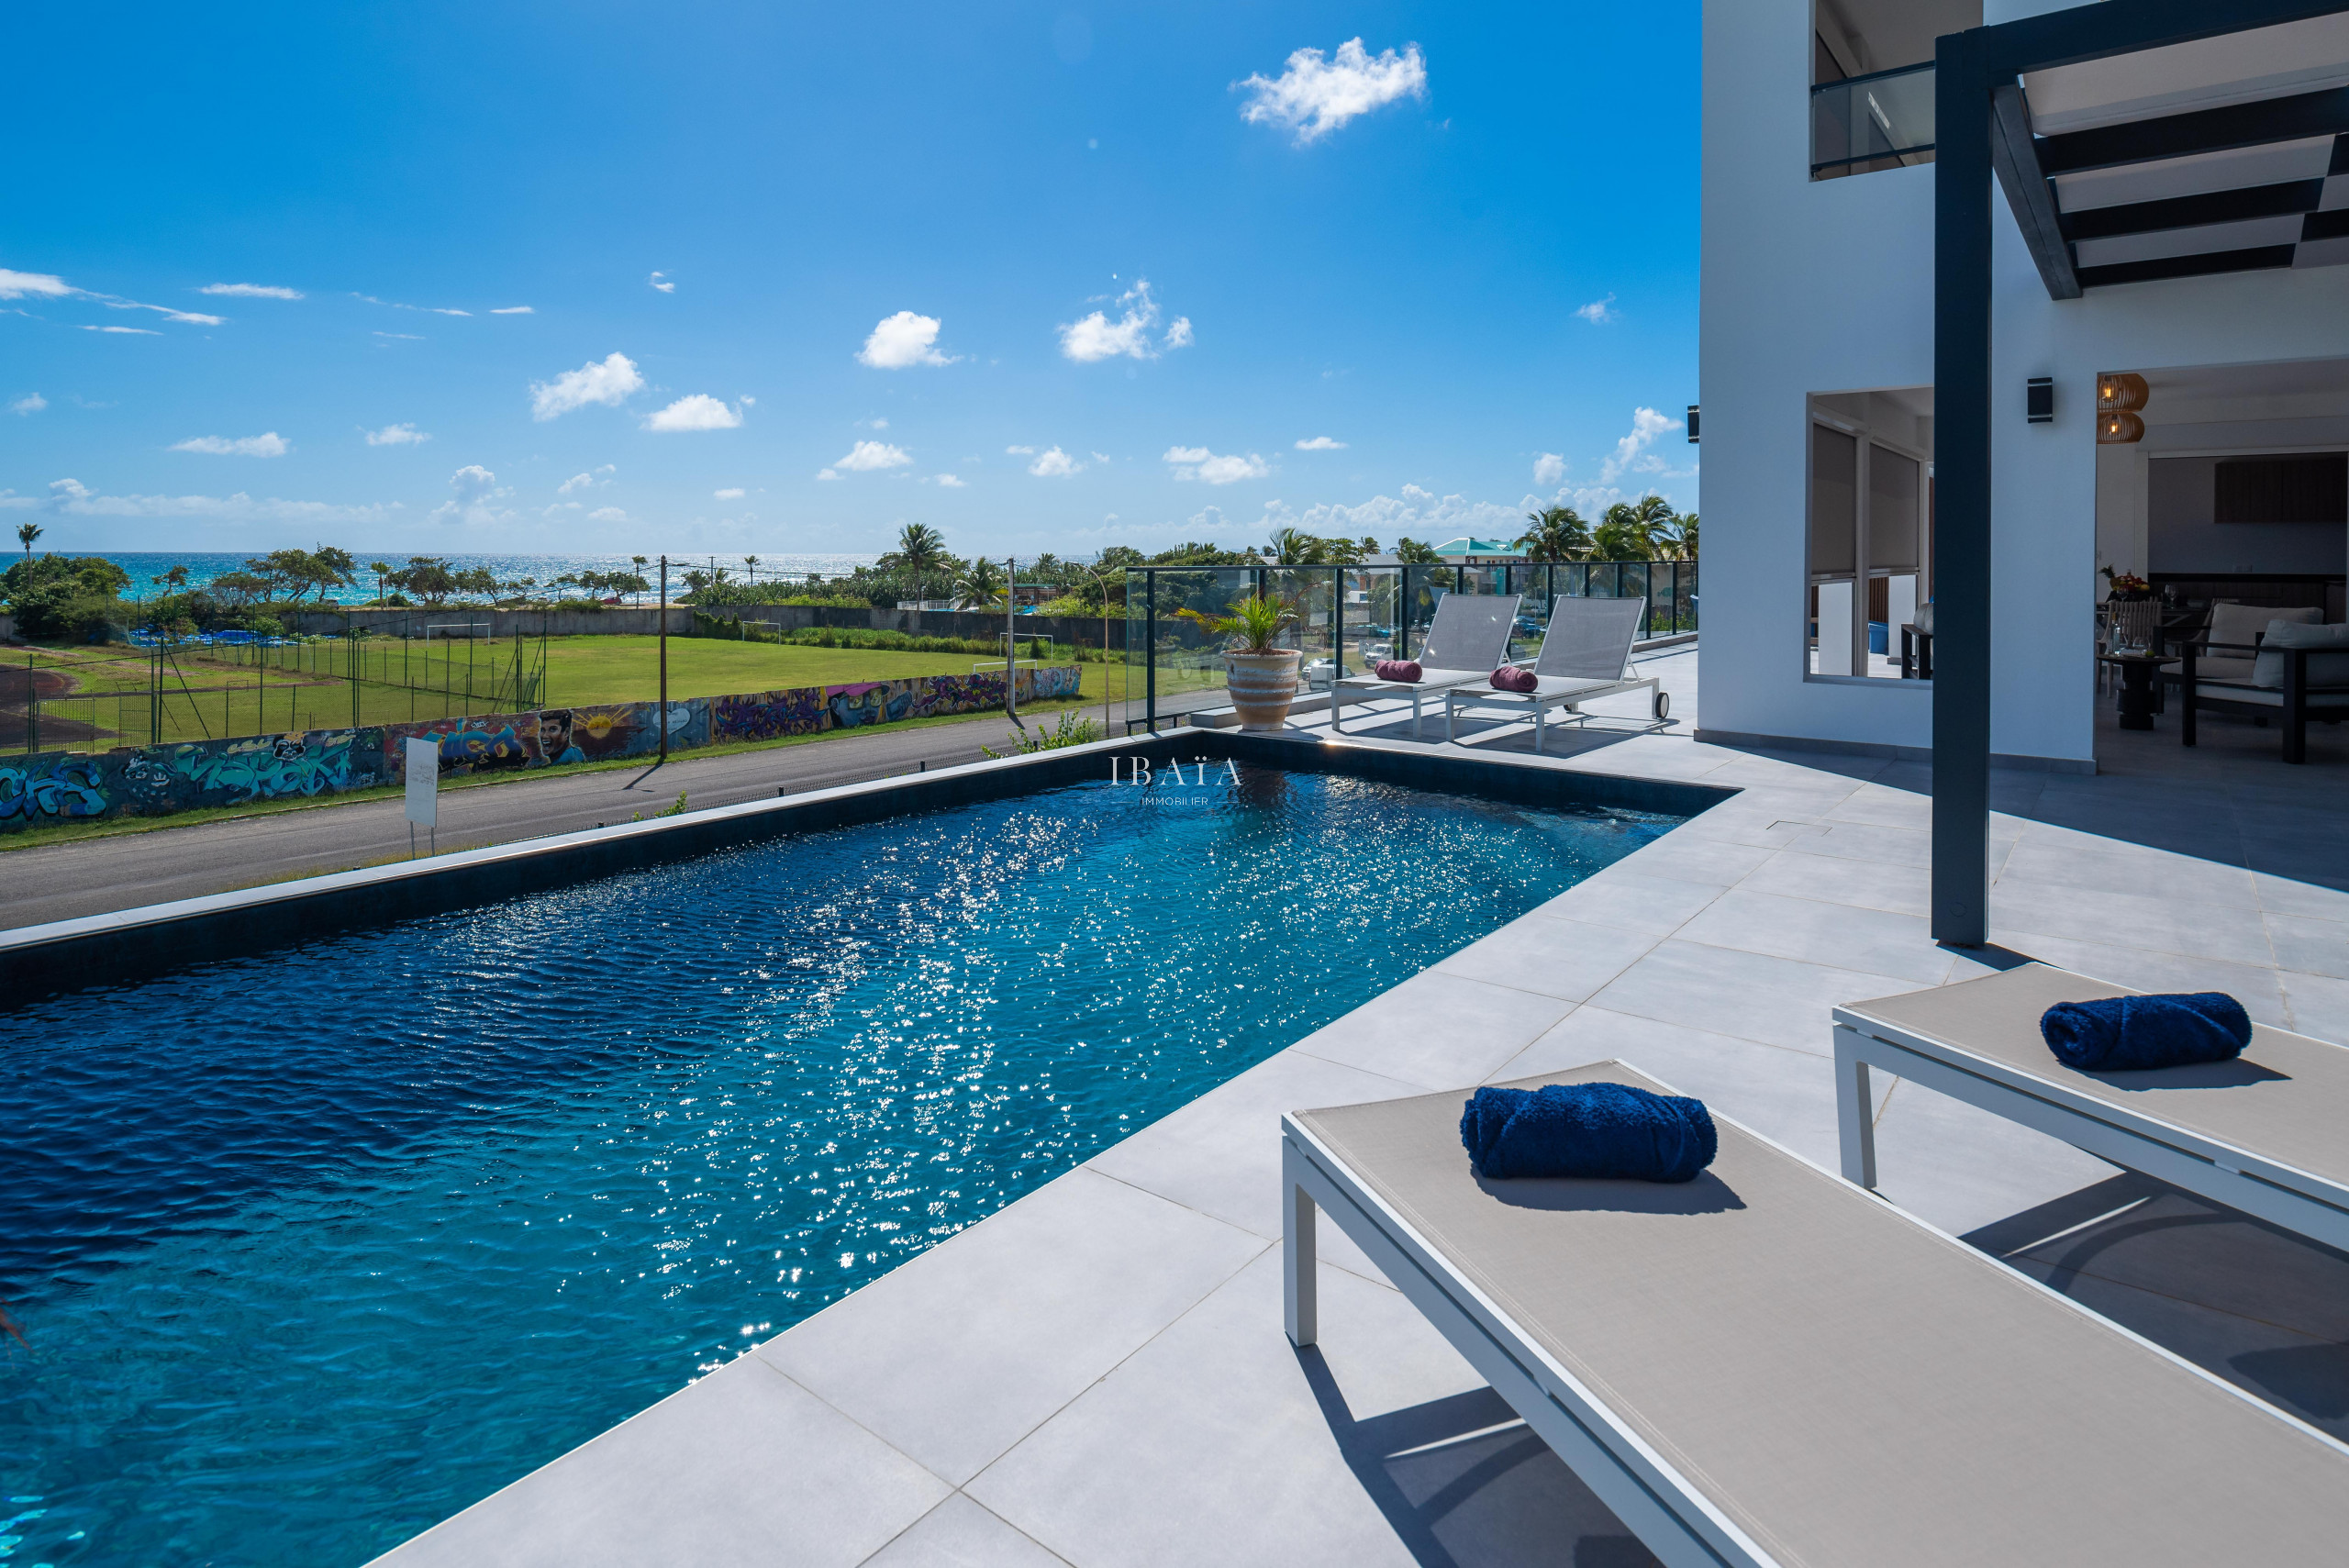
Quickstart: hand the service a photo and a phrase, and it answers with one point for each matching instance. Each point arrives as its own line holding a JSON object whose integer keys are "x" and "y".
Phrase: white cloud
{"x": 513, "y": 310}
{"x": 698, "y": 412}
{"x": 610, "y": 383}
{"x": 659, "y": 281}
{"x": 1314, "y": 96}
{"x": 948, "y": 482}
{"x": 750, "y": 402}
{"x": 1600, "y": 312}
{"x": 72, "y": 497}
{"x": 1054, "y": 463}
{"x": 1631, "y": 454}
{"x": 1320, "y": 444}
{"x": 733, "y": 493}
{"x": 1096, "y": 337}
{"x": 1549, "y": 467}
{"x": 404, "y": 336}
{"x": 267, "y": 444}
{"x": 396, "y": 305}
{"x": 473, "y": 483}
{"x": 475, "y": 489}
{"x": 1019, "y": 451}
{"x": 607, "y": 514}
{"x": 583, "y": 481}
{"x": 31, "y": 403}
{"x": 33, "y": 286}
{"x": 1417, "y": 512}
{"x": 865, "y": 456}
{"x": 397, "y": 436}
{"x": 168, "y": 313}
{"x": 1197, "y": 462}
{"x": 825, "y": 473}
{"x": 875, "y": 423}
{"x": 250, "y": 290}
{"x": 903, "y": 341}
{"x": 125, "y": 331}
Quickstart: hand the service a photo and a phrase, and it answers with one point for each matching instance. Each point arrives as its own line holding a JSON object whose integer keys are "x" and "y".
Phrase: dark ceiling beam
{"x": 2197, "y": 266}
{"x": 2080, "y": 33}
{"x": 2223, "y": 130}
{"x": 2014, "y": 158}
{"x": 2287, "y": 199}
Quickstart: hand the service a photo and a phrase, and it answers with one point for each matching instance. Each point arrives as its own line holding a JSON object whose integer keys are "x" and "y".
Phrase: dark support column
{"x": 1150, "y": 658}
{"x": 1962, "y": 490}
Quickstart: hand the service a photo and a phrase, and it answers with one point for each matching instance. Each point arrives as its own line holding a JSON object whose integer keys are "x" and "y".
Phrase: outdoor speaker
{"x": 1692, "y": 424}
{"x": 2039, "y": 400}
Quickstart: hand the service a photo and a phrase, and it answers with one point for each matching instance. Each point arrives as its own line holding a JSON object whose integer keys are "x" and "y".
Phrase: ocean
{"x": 145, "y": 566}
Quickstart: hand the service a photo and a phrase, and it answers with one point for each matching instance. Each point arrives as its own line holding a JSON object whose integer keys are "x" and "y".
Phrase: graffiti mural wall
{"x": 57, "y": 786}
{"x": 54, "y": 786}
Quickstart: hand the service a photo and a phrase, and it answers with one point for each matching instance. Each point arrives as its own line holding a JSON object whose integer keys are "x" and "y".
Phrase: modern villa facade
{"x": 2185, "y": 222}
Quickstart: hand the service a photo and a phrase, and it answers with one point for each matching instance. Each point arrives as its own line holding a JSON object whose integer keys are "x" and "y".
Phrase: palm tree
{"x": 382, "y": 569}
{"x": 980, "y": 585}
{"x": 25, "y": 534}
{"x": 1411, "y": 552}
{"x": 641, "y": 563}
{"x": 752, "y": 562}
{"x": 1295, "y": 547}
{"x": 1631, "y": 529}
{"x": 1555, "y": 533}
{"x": 1680, "y": 537}
{"x": 920, "y": 551}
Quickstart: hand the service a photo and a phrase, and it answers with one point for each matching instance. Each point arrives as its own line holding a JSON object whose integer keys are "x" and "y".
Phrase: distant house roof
{"x": 1479, "y": 547}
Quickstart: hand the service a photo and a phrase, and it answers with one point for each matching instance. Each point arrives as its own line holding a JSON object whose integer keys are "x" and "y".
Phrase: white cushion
{"x": 2330, "y": 668}
{"x": 2230, "y": 622}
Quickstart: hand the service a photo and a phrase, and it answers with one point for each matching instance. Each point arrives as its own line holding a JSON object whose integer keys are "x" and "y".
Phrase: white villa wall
{"x": 1827, "y": 287}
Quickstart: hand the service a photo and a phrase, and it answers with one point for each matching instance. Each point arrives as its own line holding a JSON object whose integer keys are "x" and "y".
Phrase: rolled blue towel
{"x": 1587, "y": 1129}
{"x": 2120, "y": 1034}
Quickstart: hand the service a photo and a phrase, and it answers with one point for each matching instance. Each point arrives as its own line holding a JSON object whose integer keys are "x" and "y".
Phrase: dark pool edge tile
{"x": 39, "y": 961}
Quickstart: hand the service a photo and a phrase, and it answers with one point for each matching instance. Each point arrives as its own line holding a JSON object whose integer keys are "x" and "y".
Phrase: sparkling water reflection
{"x": 315, "y": 1248}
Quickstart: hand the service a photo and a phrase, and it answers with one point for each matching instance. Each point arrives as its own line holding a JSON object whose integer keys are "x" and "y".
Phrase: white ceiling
{"x": 2276, "y": 378}
{"x": 2235, "y": 68}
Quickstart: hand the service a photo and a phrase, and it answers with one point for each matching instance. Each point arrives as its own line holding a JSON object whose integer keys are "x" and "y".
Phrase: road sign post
{"x": 423, "y": 769}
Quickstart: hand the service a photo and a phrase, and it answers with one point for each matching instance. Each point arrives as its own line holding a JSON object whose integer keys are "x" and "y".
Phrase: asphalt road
{"x": 96, "y": 876}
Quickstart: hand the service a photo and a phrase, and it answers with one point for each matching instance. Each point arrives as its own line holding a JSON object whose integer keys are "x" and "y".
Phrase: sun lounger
{"x": 1770, "y": 1366}
{"x": 1467, "y": 641}
{"x": 1586, "y": 654}
{"x": 2267, "y": 1133}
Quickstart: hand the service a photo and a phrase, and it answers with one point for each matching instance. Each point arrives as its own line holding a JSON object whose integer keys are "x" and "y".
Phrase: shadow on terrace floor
{"x": 1465, "y": 1484}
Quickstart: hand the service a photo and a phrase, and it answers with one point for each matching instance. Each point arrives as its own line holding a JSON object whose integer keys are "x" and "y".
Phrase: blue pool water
{"x": 315, "y": 1248}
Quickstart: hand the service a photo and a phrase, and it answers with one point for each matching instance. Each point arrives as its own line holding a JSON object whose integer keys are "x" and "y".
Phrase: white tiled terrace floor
{"x": 1096, "y": 1375}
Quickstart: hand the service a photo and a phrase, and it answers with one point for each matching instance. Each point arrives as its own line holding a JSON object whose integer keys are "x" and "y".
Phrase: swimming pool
{"x": 315, "y": 1248}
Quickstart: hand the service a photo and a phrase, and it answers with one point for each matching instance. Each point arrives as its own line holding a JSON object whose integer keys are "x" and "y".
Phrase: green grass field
{"x": 213, "y": 693}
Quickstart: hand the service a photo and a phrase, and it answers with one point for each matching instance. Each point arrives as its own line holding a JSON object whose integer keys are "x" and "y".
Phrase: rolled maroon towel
{"x": 1510, "y": 678}
{"x": 1404, "y": 670}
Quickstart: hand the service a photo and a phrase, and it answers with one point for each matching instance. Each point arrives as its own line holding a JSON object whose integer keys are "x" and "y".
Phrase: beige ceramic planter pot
{"x": 1262, "y": 686}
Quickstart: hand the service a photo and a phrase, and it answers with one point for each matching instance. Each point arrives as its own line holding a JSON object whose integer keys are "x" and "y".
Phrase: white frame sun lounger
{"x": 1467, "y": 641}
{"x": 2264, "y": 1134}
{"x": 1586, "y": 655}
{"x": 1771, "y": 1366}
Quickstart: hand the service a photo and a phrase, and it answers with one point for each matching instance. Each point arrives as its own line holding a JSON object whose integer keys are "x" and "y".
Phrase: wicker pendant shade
{"x": 2120, "y": 392}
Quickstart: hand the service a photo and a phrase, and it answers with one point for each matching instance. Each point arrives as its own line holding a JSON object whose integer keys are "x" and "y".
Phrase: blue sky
{"x": 1467, "y": 251}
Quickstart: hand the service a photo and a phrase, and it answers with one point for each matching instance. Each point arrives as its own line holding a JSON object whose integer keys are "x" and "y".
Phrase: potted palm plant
{"x": 1262, "y": 677}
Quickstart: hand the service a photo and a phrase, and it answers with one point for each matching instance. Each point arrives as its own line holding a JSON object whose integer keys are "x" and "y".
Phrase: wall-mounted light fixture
{"x": 2119, "y": 396}
{"x": 1692, "y": 424}
{"x": 2039, "y": 400}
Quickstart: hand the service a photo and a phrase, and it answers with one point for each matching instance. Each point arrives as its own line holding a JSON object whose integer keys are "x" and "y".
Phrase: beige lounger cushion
{"x": 2286, "y": 1097}
{"x": 1853, "y": 1389}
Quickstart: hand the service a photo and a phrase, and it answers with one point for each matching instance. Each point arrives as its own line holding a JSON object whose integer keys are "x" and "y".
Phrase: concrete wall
{"x": 1827, "y": 287}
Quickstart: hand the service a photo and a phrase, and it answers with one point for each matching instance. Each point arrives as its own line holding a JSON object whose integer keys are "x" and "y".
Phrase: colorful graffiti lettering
{"x": 57, "y": 786}
{"x": 769, "y": 716}
{"x": 1047, "y": 683}
{"x": 261, "y": 767}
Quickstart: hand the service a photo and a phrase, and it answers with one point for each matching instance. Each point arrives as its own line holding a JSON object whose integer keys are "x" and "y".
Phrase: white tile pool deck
{"x": 1097, "y": 1376}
